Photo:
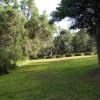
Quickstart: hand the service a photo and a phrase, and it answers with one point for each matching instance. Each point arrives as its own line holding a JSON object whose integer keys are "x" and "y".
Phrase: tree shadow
{"x": 62, "y": 83}
{"x": 51, "y": 81}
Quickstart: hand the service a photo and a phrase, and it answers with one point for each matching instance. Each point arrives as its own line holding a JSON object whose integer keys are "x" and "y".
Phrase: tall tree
{"x": 84, "y": 13}
{"x": 12, "y": 33}
{"x": 40, "y": 30}
{"x": 80, "y": 41}
{"x": 62, "y": 42}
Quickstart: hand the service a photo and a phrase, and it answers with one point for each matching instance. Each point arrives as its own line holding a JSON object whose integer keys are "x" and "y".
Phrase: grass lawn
{"x": 58, "y": 80}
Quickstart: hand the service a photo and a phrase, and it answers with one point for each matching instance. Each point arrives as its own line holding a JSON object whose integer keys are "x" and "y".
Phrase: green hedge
{"x": 88, "y": 53}
{"x": 49, "y": 57}
{"x": 69, "y": 55}
{"x": 77, "y": 54}
{"x": 58, "y": 56}
{"x": 31, "y": 57}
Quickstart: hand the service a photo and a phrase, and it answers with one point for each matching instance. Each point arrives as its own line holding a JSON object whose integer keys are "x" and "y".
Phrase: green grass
{"x": 59, "y": 80}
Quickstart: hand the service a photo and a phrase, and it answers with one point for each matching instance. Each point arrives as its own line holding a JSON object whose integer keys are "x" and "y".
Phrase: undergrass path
{"x": 58, "y": 80}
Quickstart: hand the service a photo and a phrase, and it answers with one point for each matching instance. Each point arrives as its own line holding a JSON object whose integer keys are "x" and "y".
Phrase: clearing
{"x": 57, "y": 80}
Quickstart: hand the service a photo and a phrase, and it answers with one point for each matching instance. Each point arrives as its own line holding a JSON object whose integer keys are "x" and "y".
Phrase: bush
{"x": 77, "y": 54}
{"x": 3, "y": 70}
{"x": 12, "y": 66}
{"x": 88, "y": 53}
{"x": 4, "y": 61}
{"x": 41, "y": 56}
{"x": 49, "y": 57}
{"x": 68, "y": 55}
{"x": 31, "y": 57}
{"x": 58, "y": 56}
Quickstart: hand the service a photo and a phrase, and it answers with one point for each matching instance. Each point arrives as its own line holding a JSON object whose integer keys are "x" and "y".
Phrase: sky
{"x": 49, "y": 6}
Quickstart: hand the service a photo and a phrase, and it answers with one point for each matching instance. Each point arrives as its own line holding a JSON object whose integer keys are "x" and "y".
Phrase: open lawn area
{"x": 59, "y": 80}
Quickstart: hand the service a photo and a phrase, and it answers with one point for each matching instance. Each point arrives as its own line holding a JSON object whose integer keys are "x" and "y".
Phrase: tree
{"x": 62, "y": 42}
{"x": 32, "y": 8}
{"x": 80, "y": 42}
{"x": 16, "y": 5}
{"x": 46, "y": 31}
{"x": 28, "y": 8}
{"x": 12, "y": 34}
{"x": 40, "y": 32}
{"x": 84, "y": 13}
{"x": 91, "y": 45}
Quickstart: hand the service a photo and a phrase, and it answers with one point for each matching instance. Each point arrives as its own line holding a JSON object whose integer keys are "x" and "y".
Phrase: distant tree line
{"x": 67, "y": 42}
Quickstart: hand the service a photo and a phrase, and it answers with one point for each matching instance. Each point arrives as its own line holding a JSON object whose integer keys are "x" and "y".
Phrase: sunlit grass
{"x": 58, "y": 80}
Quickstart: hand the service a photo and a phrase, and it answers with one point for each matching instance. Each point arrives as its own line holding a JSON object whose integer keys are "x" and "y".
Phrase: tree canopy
{"x": 84, "y": 14}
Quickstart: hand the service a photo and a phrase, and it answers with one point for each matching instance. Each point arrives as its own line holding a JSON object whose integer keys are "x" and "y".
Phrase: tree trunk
{"x": 98, "y": 48}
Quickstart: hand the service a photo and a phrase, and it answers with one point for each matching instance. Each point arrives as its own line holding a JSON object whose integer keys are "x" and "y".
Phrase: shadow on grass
{"x": 64, "y": 80}
{"x": 62, "y": 83}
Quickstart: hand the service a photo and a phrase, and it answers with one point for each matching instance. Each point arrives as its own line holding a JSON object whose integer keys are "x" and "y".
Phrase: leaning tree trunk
{"x": 98, "y": 48}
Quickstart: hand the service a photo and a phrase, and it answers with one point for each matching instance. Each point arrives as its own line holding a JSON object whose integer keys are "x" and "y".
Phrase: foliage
{"x": 49, "y": 57}
{"x": 82, "y": 42}
{"x": 77, "y": 54}
{"x": 67, "y": 42}
{"x": 23, "y": 32}
{"x": 84, "y": 14}
{"x": 88, "y": 53}
{"x": 68, "y": 55}
{"x": 62, "y": 42}
{"x": 28, "y": 8}
{"x": 12, "y": 34}
{"x": 40, "y": 31}
{"x": 58, "y": 56}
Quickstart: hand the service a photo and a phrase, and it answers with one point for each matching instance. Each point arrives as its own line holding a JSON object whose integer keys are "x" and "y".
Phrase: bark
{"x": 97, "y": 37}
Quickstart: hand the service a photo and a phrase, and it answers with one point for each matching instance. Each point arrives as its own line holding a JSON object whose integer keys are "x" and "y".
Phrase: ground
{"x": 57, "y": 80}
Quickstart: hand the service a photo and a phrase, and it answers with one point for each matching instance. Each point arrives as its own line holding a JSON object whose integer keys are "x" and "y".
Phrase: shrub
{"x": 69, "y": 55}
{"x": 12, "y": 66}
{"x": 31, "y": 57}
{"x": 41, "y": 56}
{"x": 3, "y": 70}
{"x": 77, "y": 54}
{"x": 88, "y": 53}
{"x": 4, "y": 61}
{"x": 58, "y": 56}
{"x": 48, "y": 57}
